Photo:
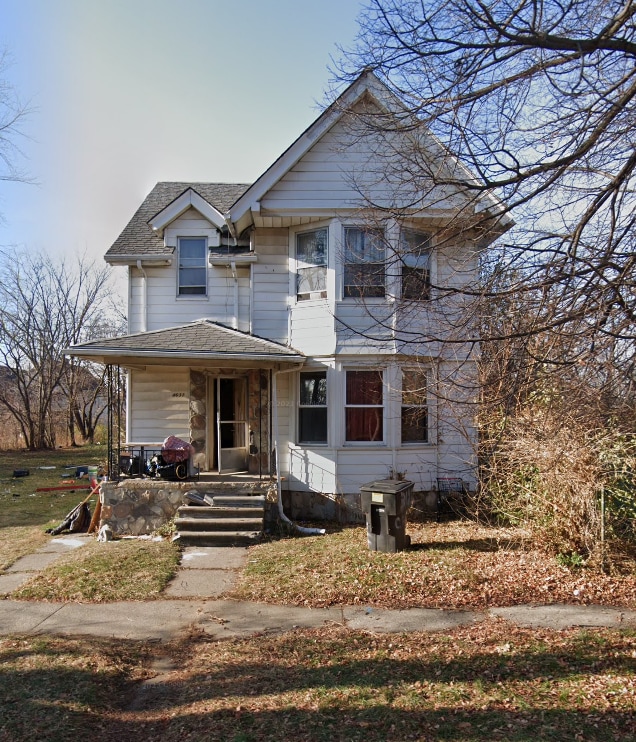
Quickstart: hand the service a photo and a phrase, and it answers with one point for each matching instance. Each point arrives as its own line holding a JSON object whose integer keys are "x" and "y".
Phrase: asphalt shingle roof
{"x": 138, "y": 237}
{"x": 200, "y": 338}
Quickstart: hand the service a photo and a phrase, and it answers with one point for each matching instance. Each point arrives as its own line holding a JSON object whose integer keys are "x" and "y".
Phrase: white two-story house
{"x": 296, "y": 325}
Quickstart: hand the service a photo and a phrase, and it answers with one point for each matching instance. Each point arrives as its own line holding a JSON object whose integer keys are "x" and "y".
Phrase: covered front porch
{"x": 204, "y": 383}
{"x": 224, "y": 414}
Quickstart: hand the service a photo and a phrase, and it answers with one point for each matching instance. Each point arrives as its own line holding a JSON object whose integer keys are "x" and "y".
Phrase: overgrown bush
{"x": 547, "y": 472}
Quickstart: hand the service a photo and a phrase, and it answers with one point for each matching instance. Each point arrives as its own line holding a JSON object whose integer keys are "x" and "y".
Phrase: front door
{"x": 231, "y": 424}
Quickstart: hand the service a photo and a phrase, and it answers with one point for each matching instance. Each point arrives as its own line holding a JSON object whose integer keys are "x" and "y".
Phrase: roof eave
{"x": 236, "y": 259}
{"x": 160, "y": 259}
{"x": 153, "y": 355}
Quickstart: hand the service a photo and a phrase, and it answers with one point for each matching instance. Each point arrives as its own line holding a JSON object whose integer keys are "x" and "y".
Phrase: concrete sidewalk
{"x": 207, "y": 572}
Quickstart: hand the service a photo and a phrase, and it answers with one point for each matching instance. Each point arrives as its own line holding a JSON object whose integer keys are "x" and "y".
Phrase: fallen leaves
{"x": 450, "y": 565}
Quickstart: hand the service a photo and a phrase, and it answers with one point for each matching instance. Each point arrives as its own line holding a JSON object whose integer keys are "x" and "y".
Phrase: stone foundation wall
{"x": 258, "y": 421}
{"x": 347, "y": 508}
{"x": 137, "y": 507}
{"x": 198, "y": 416}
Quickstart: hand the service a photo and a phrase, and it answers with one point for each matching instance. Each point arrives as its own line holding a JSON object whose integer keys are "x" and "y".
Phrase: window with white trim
{"x": 364, "y": 406}
{"x": 193, "y": 266}
{"x": 311, "y": 264}
{"x": 364, "y": 262}
{"x": 415, "y": 254}
{"x": 414, "y": 416}
{"x": 312, "y": 407}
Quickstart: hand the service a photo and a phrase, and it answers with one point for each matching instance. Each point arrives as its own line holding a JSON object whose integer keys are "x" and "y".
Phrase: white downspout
{"x": 232, "y": 231}
{"x": 279, "y": 495}
{"x": 236, "y": 294}
{"x": 144, "y": 297}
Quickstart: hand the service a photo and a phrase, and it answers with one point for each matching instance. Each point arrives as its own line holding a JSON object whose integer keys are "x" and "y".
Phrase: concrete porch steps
{"x": 231, "y": 520}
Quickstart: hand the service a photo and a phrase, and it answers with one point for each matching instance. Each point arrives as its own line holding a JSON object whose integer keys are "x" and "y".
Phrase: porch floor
{"x": 213, "y": 476}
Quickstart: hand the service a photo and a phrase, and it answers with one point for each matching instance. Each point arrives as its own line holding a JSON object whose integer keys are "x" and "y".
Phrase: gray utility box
{"x": 385, "y": 503}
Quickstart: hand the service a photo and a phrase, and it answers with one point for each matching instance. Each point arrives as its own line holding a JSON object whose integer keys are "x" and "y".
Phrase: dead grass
{"x": 53, "y": 688}
{"x": 129, "y": 569}
{"x": 450, "y": 565}
{"x": 26, "y": 513}
{"x": 18, "y": 541}
{"x": 485, "y": 682}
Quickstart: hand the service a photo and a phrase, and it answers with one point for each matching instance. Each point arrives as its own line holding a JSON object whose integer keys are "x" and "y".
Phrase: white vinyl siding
{"x": 135, "y": 300}
{"x": 160, "y": 404}
{"x": 165, "y": 310}
{"x": 364, "y": 328}
{"x": 312, "y": 470}
{"x": 312, "y": 328}
{"x": 271, "y": 285}
{"x": 346, "y": 169}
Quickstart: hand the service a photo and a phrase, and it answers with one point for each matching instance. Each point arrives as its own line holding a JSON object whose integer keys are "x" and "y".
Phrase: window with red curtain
{"x": 364, "y": 410}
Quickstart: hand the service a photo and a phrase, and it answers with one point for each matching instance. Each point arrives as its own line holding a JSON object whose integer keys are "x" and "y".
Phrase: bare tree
{"x": 84, "y": 383}
{"x": 12, "y": 115}
{"x": 520, "y": 115}
{"x": 535, "y": 99}
{"x": 44, "y": 308}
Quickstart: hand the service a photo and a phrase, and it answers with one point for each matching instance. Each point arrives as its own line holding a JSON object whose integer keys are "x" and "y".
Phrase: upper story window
{"x": 193, "y": 267}
{"x": 364, "y": 406}
{"x": 311, "y": 264}
{"x": 414, "y": 406}
{"x": 364, "y": 258}
{"x": 312, "y": 407}
{"x": 415, "y": 253}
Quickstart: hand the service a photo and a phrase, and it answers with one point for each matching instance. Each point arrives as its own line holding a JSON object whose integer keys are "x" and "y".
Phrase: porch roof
{"x": 200, "y": 341}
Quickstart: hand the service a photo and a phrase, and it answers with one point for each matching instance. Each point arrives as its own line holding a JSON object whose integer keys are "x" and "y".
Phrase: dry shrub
{"x": 546, "y": 473}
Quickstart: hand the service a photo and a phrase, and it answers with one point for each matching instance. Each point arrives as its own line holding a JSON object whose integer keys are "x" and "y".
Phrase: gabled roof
{"x": 189, "y": 198}
{"x": 202, "y": 340}
{"x": 139, "y": 240}
{"x": 367, "y": 84}
{"x": 239, "y": 202}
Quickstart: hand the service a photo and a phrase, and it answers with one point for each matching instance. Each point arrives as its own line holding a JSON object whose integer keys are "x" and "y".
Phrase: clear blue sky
{"x": 129, "y": 92}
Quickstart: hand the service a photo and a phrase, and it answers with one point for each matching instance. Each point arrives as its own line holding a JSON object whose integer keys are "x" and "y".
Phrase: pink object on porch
{"x": 174, "y": 450}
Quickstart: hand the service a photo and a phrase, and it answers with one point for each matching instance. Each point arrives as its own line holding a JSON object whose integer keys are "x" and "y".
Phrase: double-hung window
{"x": 193, "y": 269}
{"x": 415, "y": 253}
{"x": 414, "y": 406}
{"x": 364, "y": 262}
{"x": 311, "y": 264}
{"x": 312, "y": 407}
{"x": 364, "y": 406}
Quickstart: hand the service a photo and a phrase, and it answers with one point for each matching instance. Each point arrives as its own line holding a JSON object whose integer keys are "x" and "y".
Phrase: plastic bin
{"x": 385, "y": 504}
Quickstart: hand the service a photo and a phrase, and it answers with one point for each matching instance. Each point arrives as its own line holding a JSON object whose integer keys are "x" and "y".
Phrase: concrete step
{"x": 218, "y": 538}
{"x": 218, "y": 524}
{"x": 202, "y": 512}
{"x": 237, "y": 501}
{"x": 232, "y": 520}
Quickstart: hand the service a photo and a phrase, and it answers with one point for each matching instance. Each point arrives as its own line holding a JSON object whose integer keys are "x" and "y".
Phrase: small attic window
{"x": 193, "y": 272}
